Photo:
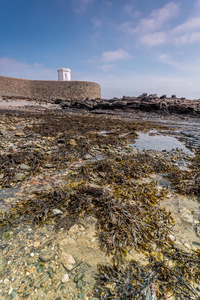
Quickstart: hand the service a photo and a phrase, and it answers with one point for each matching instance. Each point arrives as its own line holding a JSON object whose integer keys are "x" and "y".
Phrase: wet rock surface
{"x": 50, "y": 248}
{"x": 144, "y": 102}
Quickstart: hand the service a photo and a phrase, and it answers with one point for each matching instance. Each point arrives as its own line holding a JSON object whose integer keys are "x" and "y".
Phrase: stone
{"x": 7, "y": 235}
{"x": 24, "y": 167}
{"x": 36, "y": 244}
{"x": 51, "y": 274}
{"x": 56, "y": 212}
{"x": 21, "y": 289}
{"x": 46, "y": 255}
{"x": 87, "y": 156}
{"x": 72, "y": 142}
{"x": 60, "y": 141}
{"x": 186, "y": 215}
{"x": 19, "y": 177}
{"x": 43, "y": 281}
{"x": 78, "y": 277}
{"x": 79, "y": 284}
{"x": 1, "y": 176}
{"x": 65, "y": 278}
{"x": 68, "y": 261}
{"x": 48, "y": 166}
{"x": 3, "y": 264}
{"x": 19, "y": 134}
{"x": 198, "y": 230}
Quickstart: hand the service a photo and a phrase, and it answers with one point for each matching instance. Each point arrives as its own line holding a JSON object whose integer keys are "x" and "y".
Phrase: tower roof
{"x": 64, "y": 69}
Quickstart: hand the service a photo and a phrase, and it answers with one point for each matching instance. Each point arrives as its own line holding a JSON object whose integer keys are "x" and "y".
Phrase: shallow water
{"x": 159, "y": 142}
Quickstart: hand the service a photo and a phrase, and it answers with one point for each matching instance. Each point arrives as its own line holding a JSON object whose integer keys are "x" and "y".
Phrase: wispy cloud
{"x": 119, "y": 54}
{"x": 153, "y": 39}
{"x": 186, "y": 33}
{"x": 131, "y": 11}
{"x": 197, "y": 4}
{"x": 107, "y": 58}
{"x": 183, "y": 34}
{"x": 151, "y": 31}
{"x": 97, "y": 22}
{"x": 157, "y": 19}
{"x": 105, "y": 67}
{"x": 14, "y": 68}
{"x": 80, "y": 6}
{"x": 191, "y": 65}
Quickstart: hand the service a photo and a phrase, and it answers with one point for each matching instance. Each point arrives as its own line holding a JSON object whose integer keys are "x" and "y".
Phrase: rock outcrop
{"x": 144, "y": 102}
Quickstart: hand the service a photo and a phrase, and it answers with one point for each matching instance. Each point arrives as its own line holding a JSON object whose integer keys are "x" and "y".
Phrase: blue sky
{"x": 127, "y": 46}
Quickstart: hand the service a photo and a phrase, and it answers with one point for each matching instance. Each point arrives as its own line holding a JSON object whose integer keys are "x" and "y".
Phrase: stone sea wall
{"x": 14, "y": 88}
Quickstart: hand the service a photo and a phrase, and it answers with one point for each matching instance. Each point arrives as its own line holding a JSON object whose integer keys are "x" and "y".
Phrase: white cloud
{"x": 13, "y": 68}
{"x": 186, "y": 33}
{"x": 157, "y": 19}
{"x": 119, "y": 54}
{"x": 153, "y": 39}
{"x": 150, "y": 32}
{"x": 189, "y": 65}
{"x": 189, "y": 38}
{"x": 190, "y": 25}
{"x": 105, "y": 61}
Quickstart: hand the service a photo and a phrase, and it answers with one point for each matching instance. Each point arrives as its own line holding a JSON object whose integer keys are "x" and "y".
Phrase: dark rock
{"x": 61, "y": 141}
{"x": 58, "y": 101}
{"x": 163, "y": 96}
{"x": 65, "y": 104}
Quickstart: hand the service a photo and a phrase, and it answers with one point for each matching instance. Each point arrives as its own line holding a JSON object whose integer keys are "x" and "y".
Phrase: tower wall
{"x": 64, "y": 74}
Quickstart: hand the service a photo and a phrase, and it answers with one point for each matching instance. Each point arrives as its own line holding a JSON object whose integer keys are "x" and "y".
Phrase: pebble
{"x": 72, "y": 142}
{"x": 68, "y": 261}
{"x": 7, "y": 235}
{"x": 56, "y": 212}
{"x": 78, "y": 277}
{"x": 87, "y": 156}
{"x": 79, "y": 284}
{"x": 36, "y": 244}
{"x": 3, "y": 264}
{"x": 24, "y": 167}
{"x": 13, "y": 294}
{"x": 186, "y": 215}
{"x": 48, "y": 166}
{"x": 19, "y": 177}
{"x": 19, "y": 134}
{"x": 51, "y": 274}
{"x": 65, "y": 278}
{"x": 46, "y": 255}
{"x": 198, "y": 230}
{"x": 80, "y": 295}
{"x": 10, "y": 290}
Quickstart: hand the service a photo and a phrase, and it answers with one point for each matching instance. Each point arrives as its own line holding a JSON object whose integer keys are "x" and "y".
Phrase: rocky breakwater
{"x": 143, "y": 102}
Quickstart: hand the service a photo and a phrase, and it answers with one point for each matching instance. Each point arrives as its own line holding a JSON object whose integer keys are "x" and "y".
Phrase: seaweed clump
{"x": 187, "y": 182}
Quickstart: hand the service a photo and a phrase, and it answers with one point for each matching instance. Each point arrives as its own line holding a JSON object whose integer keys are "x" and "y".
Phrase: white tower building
{"x": 64, "y": 74}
